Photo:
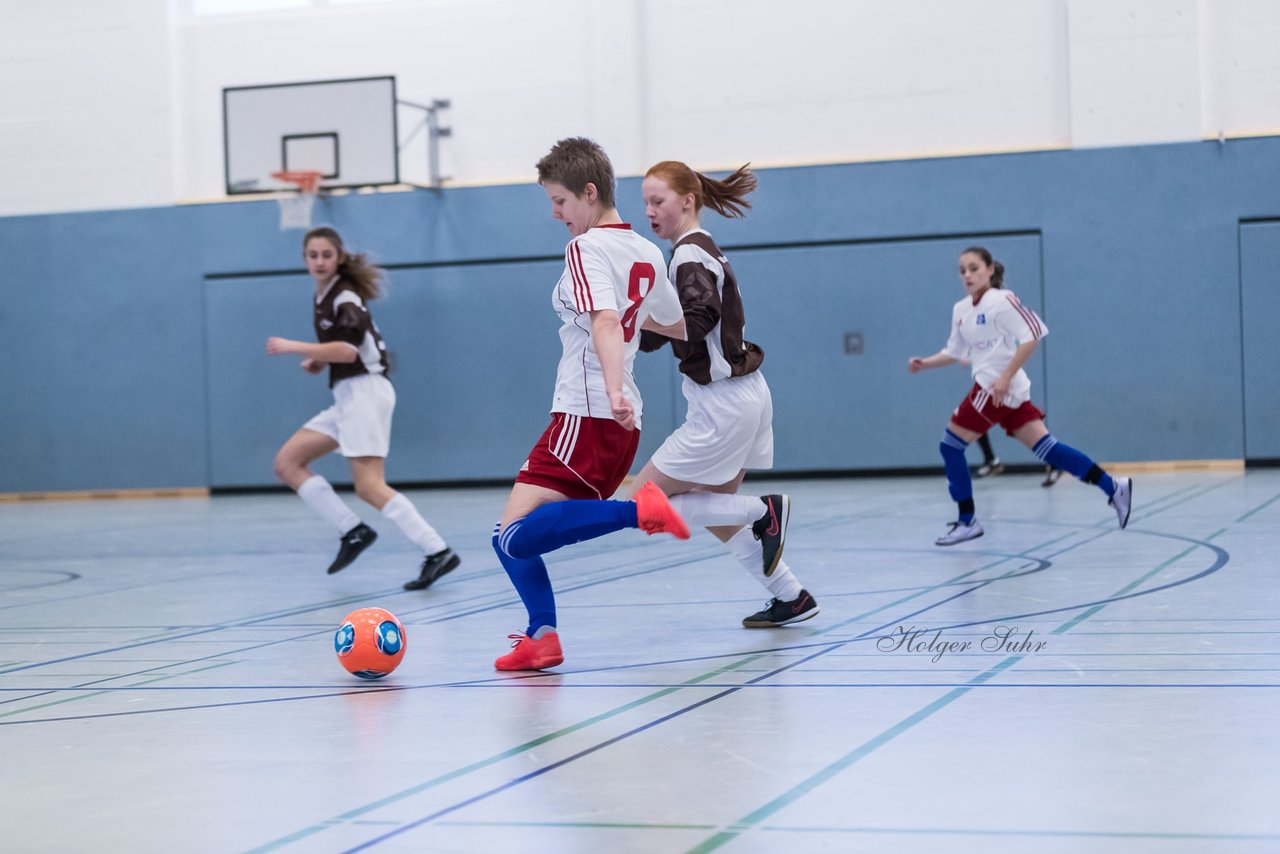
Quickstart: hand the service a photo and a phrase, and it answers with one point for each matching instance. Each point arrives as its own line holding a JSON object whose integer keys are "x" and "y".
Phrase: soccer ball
{"x": 370, "y": 642}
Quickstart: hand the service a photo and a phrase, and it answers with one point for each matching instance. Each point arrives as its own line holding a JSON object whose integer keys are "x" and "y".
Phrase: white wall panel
{"x": 815, "y": 81}
{"x": 1241, "y": 56}
{"x": 1135, "y": 71}
{"x": 85, "y": 116}
{"x": 705, "y": 80}
{"x": 119, "y": 101}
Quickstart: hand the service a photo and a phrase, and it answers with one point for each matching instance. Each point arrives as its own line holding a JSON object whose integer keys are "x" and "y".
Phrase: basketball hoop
{"x": 295, "y": 207}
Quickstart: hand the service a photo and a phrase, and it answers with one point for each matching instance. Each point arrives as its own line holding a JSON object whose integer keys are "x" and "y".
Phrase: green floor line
{"x": 1260, "y": 507}
{"x": 898, "y": 831}
{"x": 796, "y": 792}
{"x": 499, "y": 757}
{"x": 1087, "y": 834}
{"x": 1146, "y": 512}
{"x": 80, "y": 697}
{"x": 580, "y": 825}
{"x": 1021, "y": 556}
{"x": 751, "y": 820}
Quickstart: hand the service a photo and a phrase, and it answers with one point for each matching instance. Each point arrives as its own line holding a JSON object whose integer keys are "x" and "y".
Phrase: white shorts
{"x": 729, "y": 428}
{"x": 360, "y": 418}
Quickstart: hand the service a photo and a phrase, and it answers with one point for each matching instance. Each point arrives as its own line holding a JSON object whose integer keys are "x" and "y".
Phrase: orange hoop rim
{"x": 308, "y": 180}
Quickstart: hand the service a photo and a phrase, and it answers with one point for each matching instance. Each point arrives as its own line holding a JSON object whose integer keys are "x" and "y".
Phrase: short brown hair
{"x": 576, "y": 162}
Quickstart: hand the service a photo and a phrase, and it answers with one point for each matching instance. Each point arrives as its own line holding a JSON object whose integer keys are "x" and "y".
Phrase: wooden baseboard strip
{"x": 96, "y": 494}
{"x": 1154, "y": 466}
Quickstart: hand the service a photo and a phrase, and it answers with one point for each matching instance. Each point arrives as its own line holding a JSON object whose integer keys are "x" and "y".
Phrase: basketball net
{"x": 295, "y": 206}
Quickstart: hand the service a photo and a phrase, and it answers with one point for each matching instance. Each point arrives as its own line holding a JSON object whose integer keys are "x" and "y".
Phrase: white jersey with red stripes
{"x": 608, "y": 267}
{"x": 987, "y": 335}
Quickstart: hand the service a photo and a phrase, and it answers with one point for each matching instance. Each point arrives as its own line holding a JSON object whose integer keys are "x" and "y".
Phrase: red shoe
{"x": 655, "y": 514}
{"x": 530, "y": 654}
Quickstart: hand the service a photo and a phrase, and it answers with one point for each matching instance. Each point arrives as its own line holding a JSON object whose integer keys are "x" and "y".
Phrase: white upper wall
{"x": 119, "y": 102}
{"x": 1135, "y": 71}
{"x": 1240, "y": 61}
{"x": 85, "y": 112}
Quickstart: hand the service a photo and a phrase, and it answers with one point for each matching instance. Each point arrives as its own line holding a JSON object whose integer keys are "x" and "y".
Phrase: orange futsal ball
{"x": 370, "y": 642}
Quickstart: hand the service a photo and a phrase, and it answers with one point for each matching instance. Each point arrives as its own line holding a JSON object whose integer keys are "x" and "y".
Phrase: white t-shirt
{"x": 988, "y": 334}
{"x": 608, "y": 267}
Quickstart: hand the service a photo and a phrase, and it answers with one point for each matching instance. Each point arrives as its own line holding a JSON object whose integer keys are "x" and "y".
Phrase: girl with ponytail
{"x": 729, "y": 426}
{"x": 997, "y": 334}
{"x": 359, "y": 422}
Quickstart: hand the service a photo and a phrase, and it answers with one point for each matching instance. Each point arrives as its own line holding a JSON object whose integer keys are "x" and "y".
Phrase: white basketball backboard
{"x": 345, "y": 129}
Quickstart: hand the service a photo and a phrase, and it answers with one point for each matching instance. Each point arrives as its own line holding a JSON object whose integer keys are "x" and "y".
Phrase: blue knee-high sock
{"x": 1062, "y": 456}
{"x": 529, "y": 576}
{"x": 564, "y": 522}
{"x": 959, "y": 483}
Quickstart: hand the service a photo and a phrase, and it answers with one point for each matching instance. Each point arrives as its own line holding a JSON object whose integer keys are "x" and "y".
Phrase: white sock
{"x": 783, "y": 584}
{"x": 401, "y": 511}
{"x": 316, "y": 492}
{"x": 701, "y": 509}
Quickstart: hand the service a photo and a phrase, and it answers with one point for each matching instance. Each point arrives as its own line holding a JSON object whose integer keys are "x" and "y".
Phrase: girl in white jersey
{"x": 729, "y": 425}
{"x": 359, "y": 422}
{"x": 998, "y": 334}
{"x": 611, "y": 288}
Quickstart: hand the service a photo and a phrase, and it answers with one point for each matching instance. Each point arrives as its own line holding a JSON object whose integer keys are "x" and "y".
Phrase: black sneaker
{"x": 1051, "y": 476}
{"x": 771, "y": 529}
{"x": 434, "y": 566}
{"x": 778, "y": 613}
{"x": 353, "y": 542}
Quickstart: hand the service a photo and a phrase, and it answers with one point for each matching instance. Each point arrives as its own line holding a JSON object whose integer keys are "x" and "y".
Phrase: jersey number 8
{"x": 639, "y": 283}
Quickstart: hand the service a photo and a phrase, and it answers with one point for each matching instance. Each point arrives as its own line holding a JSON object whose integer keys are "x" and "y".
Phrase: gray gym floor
{"x": 168, "y": 681}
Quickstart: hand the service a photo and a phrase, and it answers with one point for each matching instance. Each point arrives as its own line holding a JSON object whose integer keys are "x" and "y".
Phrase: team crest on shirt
{"x": 325, "y": 323}
{"x": 981, "y": 320}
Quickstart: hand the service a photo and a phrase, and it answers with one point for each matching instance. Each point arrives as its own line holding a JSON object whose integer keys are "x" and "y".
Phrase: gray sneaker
{"x": 1123, "y": 499}
{"x": 960, "y": 532}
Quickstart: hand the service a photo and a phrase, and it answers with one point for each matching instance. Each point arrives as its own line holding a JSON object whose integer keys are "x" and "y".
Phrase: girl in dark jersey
{"x": 729, "y": 426}
{"x": 359, "y": 422}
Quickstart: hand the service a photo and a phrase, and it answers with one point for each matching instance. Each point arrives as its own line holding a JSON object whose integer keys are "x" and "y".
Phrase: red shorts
{"x": 581, "y": 457}
{"x": 979, "y": 413}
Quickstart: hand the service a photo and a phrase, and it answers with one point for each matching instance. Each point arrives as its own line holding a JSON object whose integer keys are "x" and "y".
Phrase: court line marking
{"x": 573, "y": 758}
{"x": 531, "y": 679}
{"x": 911, "y": 831}
{"x": 747, "y": 822}
{"x": 821, "y": 653}
{"x": 1259, "y": 508}
{"x": 734, "y": 689}
{"x": 454, "y": 613}
{"x": 490, "y": 760}
{"x": 865, "y": 635}
{"x": 84, "y": 696}
{"x": 343, "y": 601}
